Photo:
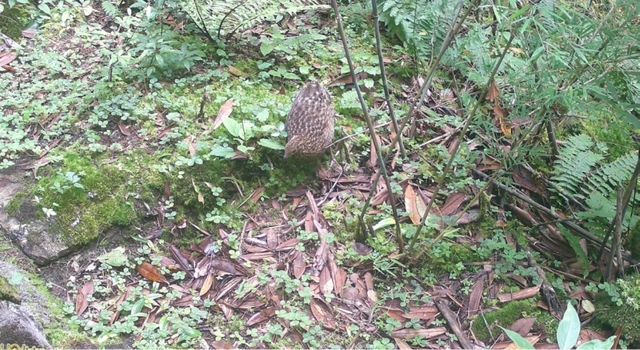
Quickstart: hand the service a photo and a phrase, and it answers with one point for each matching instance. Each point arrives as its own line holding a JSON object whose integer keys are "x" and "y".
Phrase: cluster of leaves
{"x": 568, "y": 333}
{"x": 108, "y": 318}
{"x": 621, "y": 302}
{"x": 420, "y": 25}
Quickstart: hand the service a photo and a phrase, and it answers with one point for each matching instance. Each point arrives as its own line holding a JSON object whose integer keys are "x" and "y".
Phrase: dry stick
{"x": 385, "y": 84}
{"x": 575, "y": 228}
{"x": 615, "y": 242}
{"x": 423, "y": 92}
{"x": 551, "y": 134}
{"x": 459, "y": 141}
{"x": 372, "y": 130}
{"x": 454, "y": 324}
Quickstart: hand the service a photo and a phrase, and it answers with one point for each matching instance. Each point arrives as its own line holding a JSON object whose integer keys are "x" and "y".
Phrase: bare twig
{"x": 385, "y": 84}
{"x": 463, "y": 132}
{"x": 374, "y": 140}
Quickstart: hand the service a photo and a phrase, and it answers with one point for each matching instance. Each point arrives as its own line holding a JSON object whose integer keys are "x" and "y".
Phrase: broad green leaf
{"x": 569, "y": 328}
{"x": 597, "y": 344}
{"x": 233, "y": 127}
{"x": 115, "y": 258}
{"x": 222, "y": 151}
{"x": 45, "y": 8}
{"x": 269, "y": 143}
{"x": 304, "y": 70}
{"x": 518, "y": 339}
{"x": 536, "y": 54}
{"x": 289, "y": 75}
{"x": 137, "y": 307}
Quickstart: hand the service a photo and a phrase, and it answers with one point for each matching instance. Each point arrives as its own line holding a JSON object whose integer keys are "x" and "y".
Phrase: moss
{"x": 625, "y": 313}
{"x": 89, "y": 197}
{"x": 13, "y": 20}
{"x": 503, "y": 317}
{"x": 13, "y": 207}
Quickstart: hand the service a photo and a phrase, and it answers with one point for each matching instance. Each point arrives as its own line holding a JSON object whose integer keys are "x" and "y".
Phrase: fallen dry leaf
{"x": 208, "y": 281}
{"x": 223, "y": 113}
{"x": 149, "y": 272}
{"x": 81, "y": 299}
{"x": 322, "y": 313}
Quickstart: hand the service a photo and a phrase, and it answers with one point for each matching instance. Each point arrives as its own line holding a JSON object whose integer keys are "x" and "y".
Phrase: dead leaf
{"x": 206, "y": 285}
{"x": 221, "y": 345}
{"x": 453, "y": 203}
{"x": 322, "y": 313}
{"x": 299, "y": 265}
{"x": 519, "y": 295}
{"x": 426, "y": 312}
{"x": 414, "y": 204}
{"x": 223, "y": 113}
{"x": 493, "y": 92}
{"x": 326, "y": 283}
{"x": 124, "y": 129}
{"x": 149, "y": 272}
{"x": 287, "y": 245}
{"x": 261, "y": 316}
{"x": 236, "y": 72}
{"x": 81, "y": 299}
{"x": 7, "y": 57}
{"x": 223, "y": 265}
{"x": 425, "y": 333}
{"x": 347, "y": 79}
{"x": 402, "y": 345}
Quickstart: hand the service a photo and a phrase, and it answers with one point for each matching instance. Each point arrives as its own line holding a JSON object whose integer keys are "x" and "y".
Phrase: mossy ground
{"x": 487, "y": 326}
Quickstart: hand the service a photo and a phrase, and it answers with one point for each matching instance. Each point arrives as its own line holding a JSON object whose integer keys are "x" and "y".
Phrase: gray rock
{"x": 16, "y": 328}
{"x": 38, "y": 241}
{"x": 22, "y": 324}
{"x": 36, "y": 238}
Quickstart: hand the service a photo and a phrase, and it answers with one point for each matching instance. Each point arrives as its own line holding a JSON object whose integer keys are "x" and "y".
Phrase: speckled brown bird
{"x": 309, "y": 123}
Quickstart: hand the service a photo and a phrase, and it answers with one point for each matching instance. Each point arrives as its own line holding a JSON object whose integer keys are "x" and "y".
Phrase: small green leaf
{"x": 519, "y": 12}
{"x": 384, "y": 223}
{"x": 304, "y": 70}
{"x": 269, "y": 143}
{"x": 262, "y": 115}
{"x": 16, "y": 278}
{"x": 368, "y": 83}
{"x": 265, "y": 48}
{"x": 244, "y": 149}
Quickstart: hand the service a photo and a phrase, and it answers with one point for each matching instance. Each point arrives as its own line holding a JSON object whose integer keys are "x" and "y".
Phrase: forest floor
{"x": 227, "y": 245}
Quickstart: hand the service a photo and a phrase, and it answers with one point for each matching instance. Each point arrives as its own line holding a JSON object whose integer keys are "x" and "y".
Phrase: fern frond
{"x": 578, "y": 173}
{"x": 226, "y": 17}
{"x": 110, "y": 9}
